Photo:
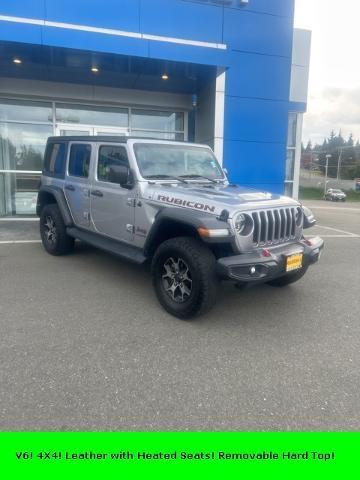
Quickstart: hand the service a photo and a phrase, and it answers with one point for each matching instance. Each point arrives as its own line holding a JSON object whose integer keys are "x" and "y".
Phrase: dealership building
{"x": 229, "y": 73}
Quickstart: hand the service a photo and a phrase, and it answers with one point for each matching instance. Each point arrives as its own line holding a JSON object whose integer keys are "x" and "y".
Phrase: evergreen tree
{"x": 345, "y": 153}
{"x": 350, "y": 142}
{"x": 308, "y": 148}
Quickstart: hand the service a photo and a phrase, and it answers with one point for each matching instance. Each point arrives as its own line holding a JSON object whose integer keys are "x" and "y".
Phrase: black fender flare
{"x": 60, "y": 199}
{"x": 187, "y": 218}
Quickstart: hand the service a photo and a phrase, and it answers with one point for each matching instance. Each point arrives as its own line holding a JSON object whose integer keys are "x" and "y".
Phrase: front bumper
{"x": 257, "y": 267}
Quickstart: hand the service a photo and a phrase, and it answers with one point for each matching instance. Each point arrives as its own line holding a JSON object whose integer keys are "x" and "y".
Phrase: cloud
{"x": 332, "y": 108}
{"x": 334, "y": 89}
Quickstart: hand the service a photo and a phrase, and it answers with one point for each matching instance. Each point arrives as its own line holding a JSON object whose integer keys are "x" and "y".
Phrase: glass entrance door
{"x": 64, "y": 129}
{"x": 105, "y": 131}
{"x": 71, "y": 130}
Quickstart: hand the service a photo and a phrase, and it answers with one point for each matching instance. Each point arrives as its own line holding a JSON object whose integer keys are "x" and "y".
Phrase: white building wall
{"x": 210, "y": 115}
{"x": 300, "y": 66}
{"x": 219, "y": 116}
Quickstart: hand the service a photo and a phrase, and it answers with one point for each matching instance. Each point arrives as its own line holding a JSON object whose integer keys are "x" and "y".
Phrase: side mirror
{"x": 309, "y": 219}
{"x": 122, "y": 175}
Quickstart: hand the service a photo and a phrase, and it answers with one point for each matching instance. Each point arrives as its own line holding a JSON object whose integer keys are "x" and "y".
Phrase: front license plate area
{"x": 294, "y": 262}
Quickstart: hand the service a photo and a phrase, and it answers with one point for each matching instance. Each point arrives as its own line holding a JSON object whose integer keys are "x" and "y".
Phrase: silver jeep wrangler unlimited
{"x": 170, "y": 203}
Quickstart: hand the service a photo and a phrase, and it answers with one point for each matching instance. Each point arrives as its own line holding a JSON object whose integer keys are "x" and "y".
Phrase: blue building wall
{"x": 258, "y": 38}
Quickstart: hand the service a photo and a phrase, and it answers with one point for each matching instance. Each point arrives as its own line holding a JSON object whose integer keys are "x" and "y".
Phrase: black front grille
{"x": 274, "y": 226}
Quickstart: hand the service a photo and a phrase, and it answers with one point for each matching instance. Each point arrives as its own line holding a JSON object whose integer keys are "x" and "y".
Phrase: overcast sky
{"x": 334, "y": 90}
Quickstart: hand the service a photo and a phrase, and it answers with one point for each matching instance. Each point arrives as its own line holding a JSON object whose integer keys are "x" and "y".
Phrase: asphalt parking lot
{"x": 84, "y": 344}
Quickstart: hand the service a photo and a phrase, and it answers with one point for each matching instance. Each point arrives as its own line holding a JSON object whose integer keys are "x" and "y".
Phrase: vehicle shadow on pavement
{"x": 256, "y": 305}
{"x": 259, "y": 305}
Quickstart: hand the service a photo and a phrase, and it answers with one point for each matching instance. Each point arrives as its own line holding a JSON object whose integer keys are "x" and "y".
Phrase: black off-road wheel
{"x": 184, "y": 278}
{"x": 53, "y": 231}
{"x": 288, "y": 279}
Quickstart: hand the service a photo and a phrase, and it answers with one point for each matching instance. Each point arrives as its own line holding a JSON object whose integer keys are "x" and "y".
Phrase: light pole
{"x": 341, "y": 149}
{"x": 326, "y": 171}
{"x": 339, "y": 163}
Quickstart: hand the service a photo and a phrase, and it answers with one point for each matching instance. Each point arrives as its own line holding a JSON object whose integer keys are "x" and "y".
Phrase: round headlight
{"x": 240, "y": 222}
{"x": 307, "y": 212}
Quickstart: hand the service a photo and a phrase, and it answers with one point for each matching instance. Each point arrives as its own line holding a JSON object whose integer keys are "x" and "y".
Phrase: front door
{"x": 112, "y": 206}
{"x": 77, "y": 189}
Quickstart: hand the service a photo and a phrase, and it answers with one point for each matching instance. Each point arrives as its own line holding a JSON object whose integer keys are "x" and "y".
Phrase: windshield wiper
{"x": 165, "y": 177}
{"x": 200, "y": 176}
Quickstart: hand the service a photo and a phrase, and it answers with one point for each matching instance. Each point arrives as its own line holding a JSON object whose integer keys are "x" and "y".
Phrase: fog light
{"x": 252, "y": 270}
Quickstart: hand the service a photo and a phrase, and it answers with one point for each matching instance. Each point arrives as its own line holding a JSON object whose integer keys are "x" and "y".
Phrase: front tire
{"x": 53, "y": 231}
{"x": 184, "y": 277}
{"x": 288, "y": 279}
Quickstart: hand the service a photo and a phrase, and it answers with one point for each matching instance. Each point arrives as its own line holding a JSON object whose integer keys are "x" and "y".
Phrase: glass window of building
{"x": 23, "y": 111}
{"x": 22, "y": 145}
{"x": 292, "y": 126}
{"x": 21, "y": 157}
{"x": 157, "y": 120}
{"x": 291, "y": 154}
{"x": 160, "y": 135}
{"x": 24, "y": 129}
{"x": 69, "y": 133}
{"x": 92, "y": 115}
{"x": 290, "y": 164}
{"x": 26, "y": 125}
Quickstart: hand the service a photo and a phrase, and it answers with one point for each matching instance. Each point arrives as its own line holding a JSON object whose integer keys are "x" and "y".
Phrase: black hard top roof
{"x": 105, "y": 138}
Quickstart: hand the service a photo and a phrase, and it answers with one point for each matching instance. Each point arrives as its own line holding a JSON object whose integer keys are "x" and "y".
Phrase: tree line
{"x": 344, "y": 160}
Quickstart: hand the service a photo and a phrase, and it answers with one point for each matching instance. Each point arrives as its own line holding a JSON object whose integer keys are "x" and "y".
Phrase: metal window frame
{"x": 54, "y": 123}
{"x": 55, "y": 102}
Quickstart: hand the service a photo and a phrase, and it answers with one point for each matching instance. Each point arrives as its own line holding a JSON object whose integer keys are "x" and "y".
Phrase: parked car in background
{"x": 335, "y": 195}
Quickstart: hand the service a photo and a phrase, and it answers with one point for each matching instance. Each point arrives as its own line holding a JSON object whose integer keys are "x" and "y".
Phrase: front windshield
{"x": 161, "y": 160}
{"x": 336, "y": 191}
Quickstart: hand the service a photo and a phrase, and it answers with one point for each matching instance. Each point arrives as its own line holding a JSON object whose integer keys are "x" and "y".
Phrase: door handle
{"x": 97, "y": 193}
{"x": 70, "y": 187}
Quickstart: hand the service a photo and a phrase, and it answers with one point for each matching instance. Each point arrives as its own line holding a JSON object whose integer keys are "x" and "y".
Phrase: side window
{"x": 79, "y": 161}
{"x": 54, "y": 163}
{"x": 111, "y": 159}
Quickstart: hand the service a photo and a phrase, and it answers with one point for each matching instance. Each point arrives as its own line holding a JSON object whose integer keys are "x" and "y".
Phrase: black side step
{"x": 115, "y": 247}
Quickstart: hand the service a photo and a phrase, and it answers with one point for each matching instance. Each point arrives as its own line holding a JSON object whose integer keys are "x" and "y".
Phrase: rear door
{"x": 112, "y": 206}
{"x": 77, "y": 186}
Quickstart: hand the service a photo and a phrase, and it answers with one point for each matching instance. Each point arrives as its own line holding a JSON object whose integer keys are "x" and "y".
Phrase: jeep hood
{"x": 214, "y": 198}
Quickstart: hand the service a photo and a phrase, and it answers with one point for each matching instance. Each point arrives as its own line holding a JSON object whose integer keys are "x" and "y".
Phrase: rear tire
{"x": 184, "y": 277}
{"x": 53, "y": 231}
{"x": 288, "y": 279}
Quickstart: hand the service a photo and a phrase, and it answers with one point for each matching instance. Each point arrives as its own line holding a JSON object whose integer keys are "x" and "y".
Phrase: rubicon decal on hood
{"x": 186, "y": 203}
